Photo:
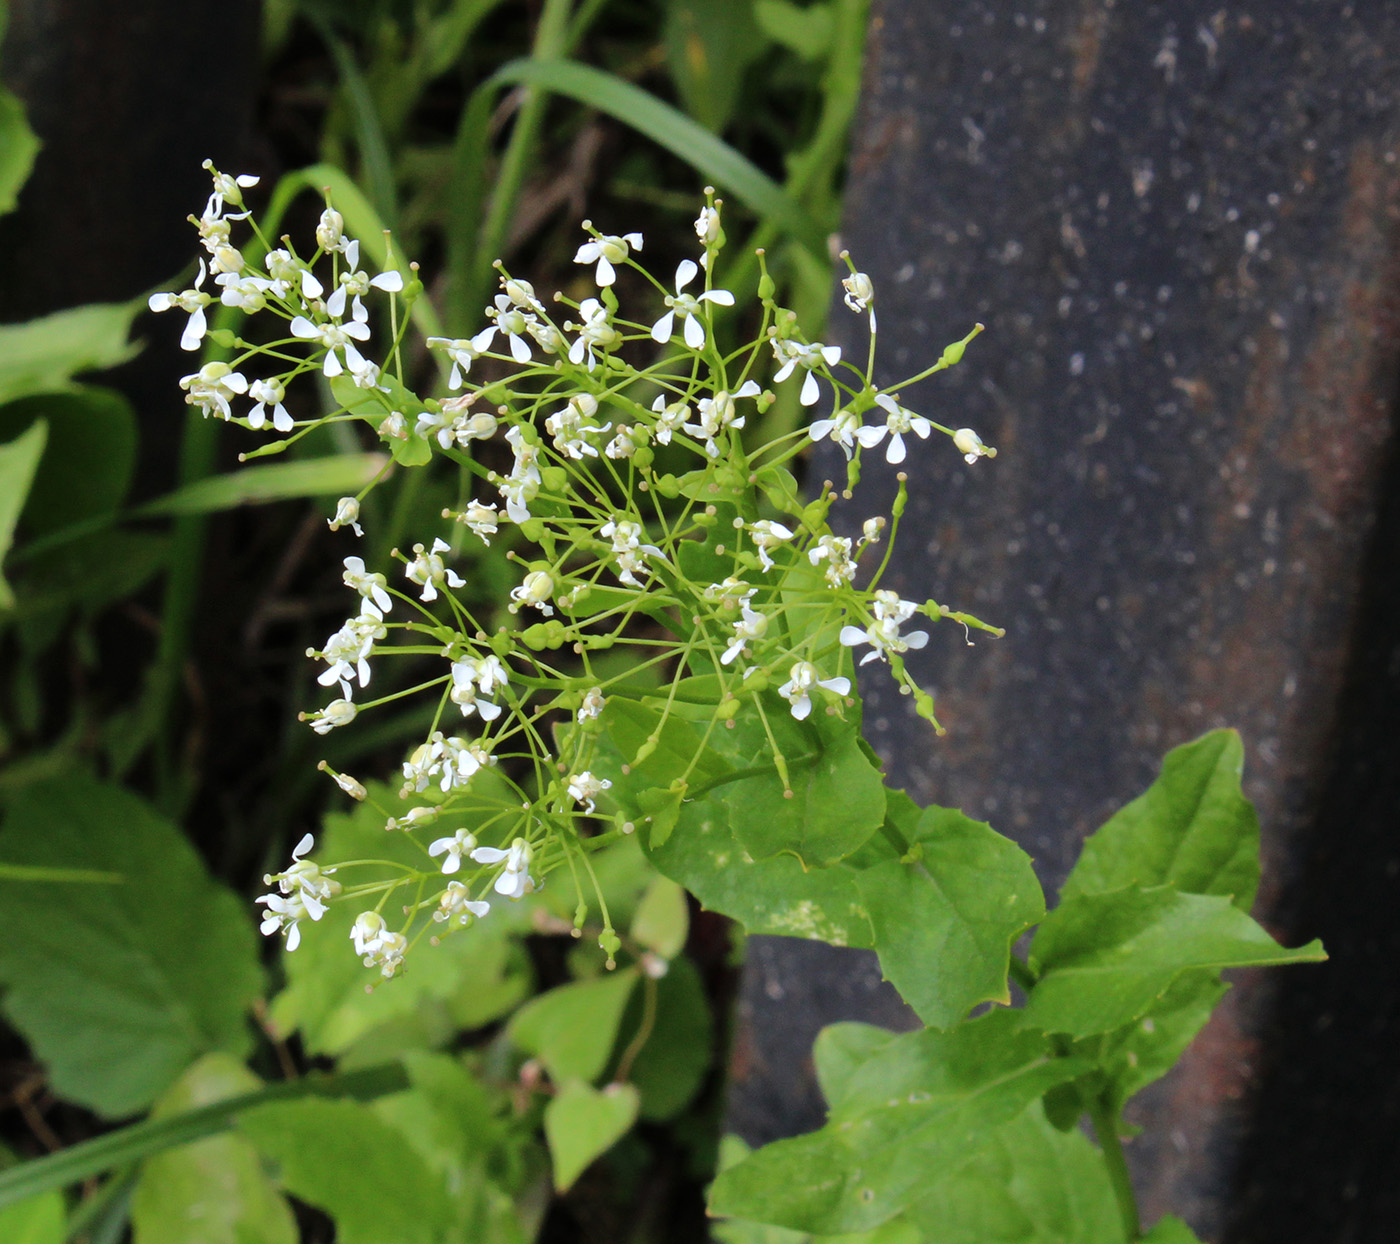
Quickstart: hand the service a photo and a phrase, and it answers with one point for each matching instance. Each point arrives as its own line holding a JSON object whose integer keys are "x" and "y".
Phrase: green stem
{"x": 1105, "y": 1128}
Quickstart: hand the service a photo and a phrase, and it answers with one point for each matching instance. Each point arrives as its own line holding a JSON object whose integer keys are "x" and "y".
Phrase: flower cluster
{"x": 643, "y": 505}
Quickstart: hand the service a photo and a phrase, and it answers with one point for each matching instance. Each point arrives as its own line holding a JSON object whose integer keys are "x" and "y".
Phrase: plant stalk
{"x": 1105, "y": 1128}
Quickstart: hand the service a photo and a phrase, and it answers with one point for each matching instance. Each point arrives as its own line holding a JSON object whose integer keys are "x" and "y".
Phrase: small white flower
{"x": 883, "y": 633}
{"x": 730, "y": 594}
{"x": 289, "y": 273}
{"x": 212, "y": 387}
{"x": 351, "y": 787}
{"x": 336, "y": 713}
{"x": 370, "y": 586}
{"x": 718, "y": 413}
{"x": 707, "y": 226}
{"x": 387, "y": 953}
{"x": 751, "y": 625}
{"x": 347, "y": 514}
{"x": 515, "y": 323}
{"x": 227, "y": 189}
{"x": 768, "y": 535}
{"x": 349, "y": 649}
{"x": 336, "y": 337}
{"x": 483, "y": 519}
{"x": 607, "y": 250}
{"x": 522, "y": 294}
{"x": 595, "y": 333}
{"x": 330, "y": 231}
{"x": 584, "y": 789}
{"x": 860, "y": 293}
{"x": 897, "y": 422}
{"x": 456, "y": 901}
{"x": 809, "y": 357}
{"x": 454, "y": 848}
{"x": 474, "y": 677}
{"x": 267, "y": 393}
{"x": 515, "y": 880}
{"x": 627, "y": 546}
{"x": 535, "y": 590}
{"x": 671, "y": 417}
{"x": 413, "y": 818}
{"x": 463, "y": 352}
{"x": 592, "y": 705}
{"x": 366, "y": 932}
{"x": 797, "y": 690}
{"x": 305, "y": 881}
{"x": 629, "y": 439}
{"x": 970, "y": 445}
{"x": 429, "y": 570}
{"x": 287, "y": 913}
{"x": 870, "y": 530}
{"x": 836, "y": 552}
{"x": 459, "y": 428}
{"x": 568, "y": 428}
{"x": 688, "y": 307}
{"x": 192, "y": 301}
{"x": 354, "y": 285}
{"x": 842, "y": 429}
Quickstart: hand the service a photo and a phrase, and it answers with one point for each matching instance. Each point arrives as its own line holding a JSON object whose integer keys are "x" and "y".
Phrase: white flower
{"x": 387, "y": 953}
{"x": 193, "y": 301}
{"x": 330, "y": 231}
{"x": 883, "y": 633}
{"x": 860, "y": 293}
{"x": 351, "y": 787}
{"x": 246, "y": 293}
{"x": 366, "y": 932}
{"x": 584, "y": 789}
{"x": 226, "y": 190}
{"x": 688, "y": 307}
{"x": 370, "y": 586}
{"x": 596, "y": 332}
{"x": 969, "y": 444}
{"x": 303, "y": 890}
{"x": 568, "y": 428}
{"x": 463, "y": 352}
{"x": 287, "y": 913}
{"x": 212, "y": 387}
{"x": 354, "y": 285}
{"x": 808, "y": 357}
{"x": 842, "y": 428}
{"x": 535, "y": 590}
{"x": 767, "y": 535}
{"x": 629, "y": 439}
{"x": 429, "y": 571}
{"x": 453, "y": 761}
{"x": 730, "y": 594}
{"x": 707, "y": 226}
{"x": 289, "y": 273}
{"x": 750, "y": 626}
{"x": 897, "y": 422}
{"x": 797, "y": 690}
{"x": 521, "y": 294}
{"x": 626, "y": 537}
{"x": 413, "y": 818}
{"x": 267, "y": 393}
{"x": 474, "y": 677}
{"x": 607, "y": 250}
{"x": 515, "y": 323}
{"x": 336, "y": 713}
{"x": 836, "y": 552}
{"x": 456, "y": 901}
{"x": 671, "y": 417}
{"x": 349, "y": 649}
{"x": 717, "y": 413}
{"x": 483, "y": 519}
{"x": 333, "y": 337}
{"x": 458, "y": 427}
{"x": 347, "y": 514}
{"x": 459, "y": 844}
{"x": 515, "y": 880}
{"x": 592, "y": 706}
{"x": 870, "y": 530}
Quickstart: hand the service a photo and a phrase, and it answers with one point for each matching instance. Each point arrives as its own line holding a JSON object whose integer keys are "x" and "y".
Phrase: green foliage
{"x": 39, "y": 1220}
{"x": 18, "y": 462}
{"x": 214, "y": 1191}
{"x": 43, "y": 355}
{"x": 18, "y": 146}
{"x": 583, "y": 1122}
{"x": 571, "y": 1029}
{"x": 118, "y": 988}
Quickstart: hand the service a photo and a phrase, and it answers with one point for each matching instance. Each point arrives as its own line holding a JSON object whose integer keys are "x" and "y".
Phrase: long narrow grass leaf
{"x": 318, "y": 477}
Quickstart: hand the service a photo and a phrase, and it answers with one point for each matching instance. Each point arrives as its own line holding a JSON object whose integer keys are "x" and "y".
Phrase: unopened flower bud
{"x": 347, "y": 513}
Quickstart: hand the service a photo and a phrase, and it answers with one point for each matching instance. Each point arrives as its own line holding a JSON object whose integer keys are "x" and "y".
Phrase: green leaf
{"x": 662, "y": 919}
{"x": 840, "y": 1051}
{"x": 582, "y": 1123}
{"x": 89, "y": 459}
{"x": 18, "y": 462}
{"x": 1192, "y": 828}
{"x": 945, "y": 921}
{"x": 1170, "y": 1230}
{"x": 18, "y": 147}
{"x": 1030, "y": 1184}
{"x": 39, "y": 1220}
{"x": 214, "y": 1191}
{"x": 42, "y": 355}
{"x": 714, "y": 159}
{"x": 119, "y": 988}
{"x": 709, "y": 45}
{"x": 341, "y": 1158}
{"x": 673, "y": 1062}
{"x": 928, "y": 1101}
{"x": 317, "y": 477}
{"x": 805, "y": 31}
{"x": 1104, "y": 960}
{"x": 633, "y": 733}
{"x": 571, "y": 1029}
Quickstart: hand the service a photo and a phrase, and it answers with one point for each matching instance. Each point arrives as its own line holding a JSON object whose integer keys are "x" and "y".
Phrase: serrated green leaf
{"x": 18, "y": 147}
{"x": 662, "y": 919}
{"x": 1104, "y": 960}
{"x": 945, "y": 922}
{"x": 19, "y": 460}
{"x": 278, "y": 481}
{"x": 341, "y": 1158}
{"x": 214, "y": 1191}
{"x": 927, "y": 1101}
{"x": 41, "y": 356}
{"x": 1192, "y": 828}
{"x": 1030, "y": 1184}
{"x": 571, "y": 1029}
{"x": 581, "y": 1123}
{"x": 119, "y": 988}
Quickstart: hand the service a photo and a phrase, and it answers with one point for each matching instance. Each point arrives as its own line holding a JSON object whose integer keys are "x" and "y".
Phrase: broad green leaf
{"x": 119, "y": 988}
{"x": 1192, "y": 828}
{"x": 18, "y": 147}
{"x": 840, "y": 1050}
{"x": 42, "y": 355}
{"x": 39, "y": 1220}
{"x": 317, "y": 477}
{"x": 806, "y": 31}
{"x": 714, "y": 159}
{"x": 19, "y": 460}
{"x": 214, "y": 1191}
{"x": 634, "y": 733}
{"x": 945, "y": 922}
{"x": 571, "y": 1029}
{"x": 710, "y": 44}
{"x": 662, "y": 919}
{"x": 581, "y": 1123}
{"x": 89, "y": 459}
{"x": 1104, "y": 960}
{"x": 1030, "y": 1184}
{"x": 1170, "y": 1230}
{"x": 341, "y": 1158}
{"x": 927, "y": 1101}
{"x": 672, "y": 1064}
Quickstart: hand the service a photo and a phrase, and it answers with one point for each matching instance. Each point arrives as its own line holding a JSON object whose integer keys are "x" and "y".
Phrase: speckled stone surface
{"x": 1179, "y": 224}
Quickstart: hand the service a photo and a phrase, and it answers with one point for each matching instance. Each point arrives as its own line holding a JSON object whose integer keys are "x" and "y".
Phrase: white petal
{"x": 685, "y": 273}
{"x": 748, "y": 389}
{"x": 586, "y": 253}
{"x": 194, "y": 330}
{"x": 332, "y": 366}
{"x": 895, "y": 453}
{"x": 842, "y": 686}
{"x": 489, "y": 855}
{"x": 391, "y": 282}
{"x": 694, "y": 332}
{"x": 310, "y": 286}
{"x": 161, "y": 302}
{"x": 916, "y": 639}
{"x": 721, "y": 296}
{"x": 802, "y": 707}
{"x": 820, "y": 429}
{"x": 634, "y": 240}
{"x": 335, "y": 304}
{"x": 281, "y": 420}
{"x": 784, "y": 371}
{"x": 853, "y": 635}
{"x": 360, "y": 332}
{"x": 294, "y": 936}
{"x": 352, "y": 254}
{"x": 307, "y": 842}
{"x": 811, "y": 390}
{"x": 605, "y": 274}
{"x": 886, "y": 402}
{"x": 661, "y": 331}
{"x": 304, "y": 328}
{"x": 520, "y": 349}
{"x": 832, "y": 355}
{"x": 871, "y": 435}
